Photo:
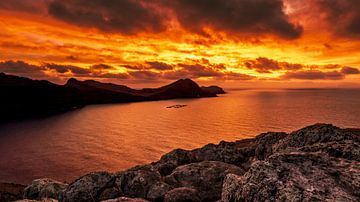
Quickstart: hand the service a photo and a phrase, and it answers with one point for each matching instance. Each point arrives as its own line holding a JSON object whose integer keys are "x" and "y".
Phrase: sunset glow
{"x": 296, "y": 44}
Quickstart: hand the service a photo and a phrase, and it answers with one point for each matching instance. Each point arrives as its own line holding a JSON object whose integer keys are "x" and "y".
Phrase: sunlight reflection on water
{"x": 117, "y": 136}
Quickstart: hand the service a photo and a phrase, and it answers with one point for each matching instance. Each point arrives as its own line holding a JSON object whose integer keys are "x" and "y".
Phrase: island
{"x": 26, "y": 98}
{"x": 320, "y": 162}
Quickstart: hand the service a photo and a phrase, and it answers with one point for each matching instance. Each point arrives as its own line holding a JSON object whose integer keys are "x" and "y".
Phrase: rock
{"x": 264, "y": 143}
{"x": 137, "y": 182}
{"x": 125, "y": 199}
{"x": 182, "y": 194}
{"x": 88, "y": 187}
{"x": 11, "y": 191}
{"x": 227, "y": 152}
{"x": 318, "y": 133}
{"x": 173, "y": 159}
{"x": 110, "y": 193}
{"x": 158, "y": 191}
{"x": 207, "y": 177}
{"x": 317, "y": 163}
{"x": 42, "y": 200}
{"x": 347, "y": 149}
{"x": 296, "y": 176}
{"x": 230, "y": 186}
{"x": 44, "y": 188}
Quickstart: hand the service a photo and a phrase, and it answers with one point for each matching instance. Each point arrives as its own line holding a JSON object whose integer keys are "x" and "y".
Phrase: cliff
{"x": 316, "y": 163}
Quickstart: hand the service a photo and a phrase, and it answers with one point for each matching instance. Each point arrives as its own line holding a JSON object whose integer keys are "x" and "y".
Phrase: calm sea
{"x": 118, "y": 136}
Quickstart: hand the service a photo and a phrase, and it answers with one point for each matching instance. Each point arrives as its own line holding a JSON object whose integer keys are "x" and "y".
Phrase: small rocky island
{"x": 317, "y": 163}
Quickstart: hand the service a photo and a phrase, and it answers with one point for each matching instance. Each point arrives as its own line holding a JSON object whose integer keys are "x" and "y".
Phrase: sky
{"x": 232, "y": 43}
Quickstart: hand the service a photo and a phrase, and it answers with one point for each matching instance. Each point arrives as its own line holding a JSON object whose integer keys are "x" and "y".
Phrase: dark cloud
{"x": 22, "y": 69}
{"x": 18, "y": 67}
{"x": 236, "y": 76}
{"x": 133, "y": 16}
{"x": 134, "y": 67}
{"x": 266, "y": 65}
{"x": 198, "y": 70}
{"x": 343, "y": 16}
{"x": 125, "y": 16}
{"x": 159, "y": 66}
{"x": 101, "y": 67}
{"x": 68, "y": 68}
{"x": 145, "y": 75}
{"x": 31, "y": 6}
{"x": 314, "y": 75}
{"x": 121, "y": 76}
{"x": 236, "y": 16}
{"x": 350, "y": 70}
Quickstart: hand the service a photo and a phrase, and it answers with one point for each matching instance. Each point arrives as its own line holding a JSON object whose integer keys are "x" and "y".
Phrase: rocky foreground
{"x": 316, "y": 163}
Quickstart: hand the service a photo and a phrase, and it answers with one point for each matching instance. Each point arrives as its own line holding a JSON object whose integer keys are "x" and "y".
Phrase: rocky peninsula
{"x": 320, "y": 162}
{"x": 23, "y": 98}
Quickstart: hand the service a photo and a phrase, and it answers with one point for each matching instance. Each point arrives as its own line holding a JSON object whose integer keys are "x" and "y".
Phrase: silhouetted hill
{"x": 183, "y": 88}
{"x": 99, "y": 93}
{"x": 23, "y": 97}
{"x": 213, "y": 89}
{"x": 110, "y": 86}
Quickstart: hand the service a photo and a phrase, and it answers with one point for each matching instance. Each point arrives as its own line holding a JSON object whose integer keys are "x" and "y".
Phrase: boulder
{"x": 125, "y": 199}
{"x": 42, "y": 200}
{"x": 157, "y": 191}
{"x": 173, "y": 159}
{"x": 207, "y": 177}
{"x": 11, "y": 191}
{"x": 182, "y": 194}
{"x": 318, "y": 133}
{"x": 137, "y": 182}
{"x": 88, "y": 187}
{"x": 44, "y": 188}
{"x": 296, "y": 176}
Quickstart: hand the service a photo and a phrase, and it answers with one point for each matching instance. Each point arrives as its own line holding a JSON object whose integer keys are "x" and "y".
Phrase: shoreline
{"x": 320, "y": 161}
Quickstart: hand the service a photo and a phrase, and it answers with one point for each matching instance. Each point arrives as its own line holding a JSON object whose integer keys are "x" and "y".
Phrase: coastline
{"x": 317, "y": 162}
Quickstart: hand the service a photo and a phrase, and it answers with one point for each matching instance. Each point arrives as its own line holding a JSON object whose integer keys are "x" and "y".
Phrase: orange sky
{"x": 235, "y": 43}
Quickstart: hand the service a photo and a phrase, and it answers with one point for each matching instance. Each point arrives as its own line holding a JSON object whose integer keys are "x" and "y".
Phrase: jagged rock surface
{"x": 316, "y": 163}
{"x": 44, "y": 188}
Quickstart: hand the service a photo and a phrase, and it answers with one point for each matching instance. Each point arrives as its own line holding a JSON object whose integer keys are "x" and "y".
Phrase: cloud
{"x": 22, "y": 69}
{"x": 235, "y": 16}
{"x": 342, "y": 16}
{"x": 236, "y": 76}
{"x": 68, "y": 69}
{"x": 145, "y": 75}
{"x": 350, "y": 70}
{"x": 124, "y": 16}
{"x": 133, "y": 16}
{"x": 314, "y": 75}
{"x": 31, "y": 6}
{"x": 101, "y": 67}
{"x": 160, "y": 66}
{"x": 266, "y": 65}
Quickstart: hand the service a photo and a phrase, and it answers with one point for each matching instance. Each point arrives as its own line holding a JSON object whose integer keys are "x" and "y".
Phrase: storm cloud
{"x": 235, "y": 16}
{"x": 133, "y": 16}
{"x": 343, "y": 16}
{"x": 125, "y": 16}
